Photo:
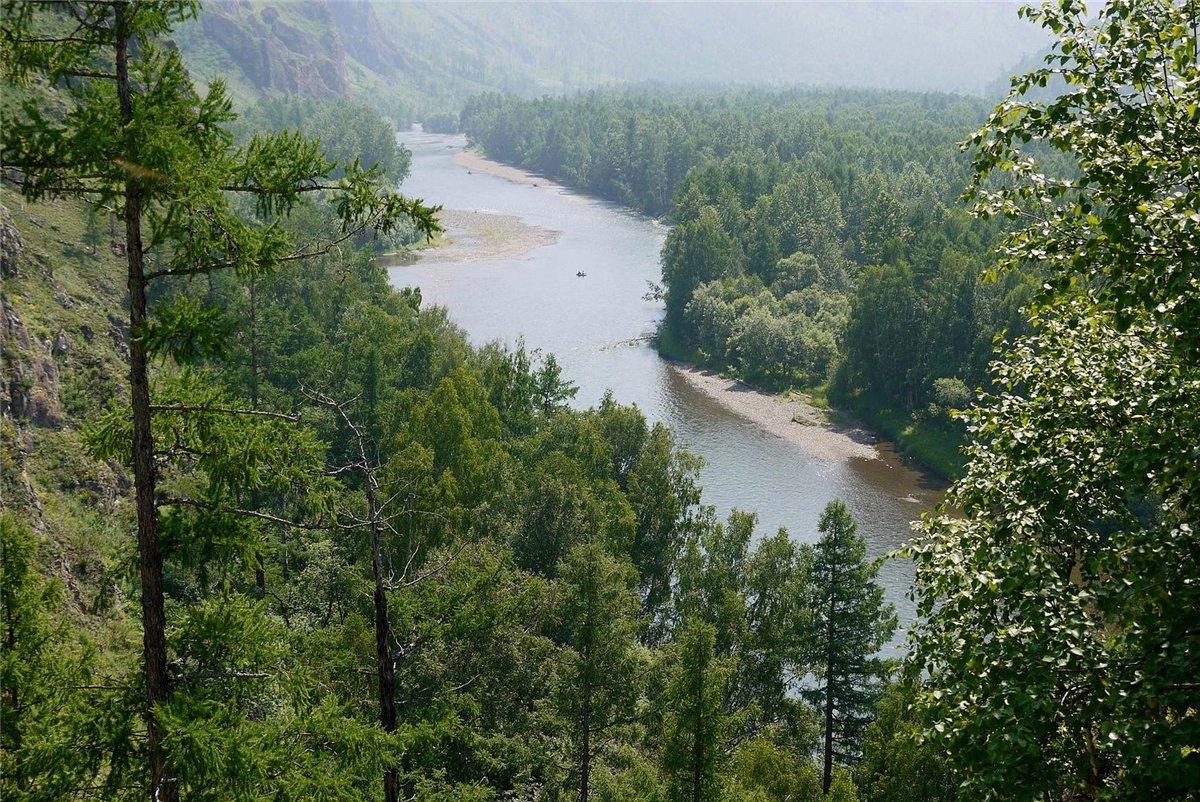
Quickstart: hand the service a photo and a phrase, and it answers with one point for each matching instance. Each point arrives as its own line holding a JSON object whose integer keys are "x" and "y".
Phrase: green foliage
{"x": 53, "y": 701}
{"x": 132, "y": 131}
{"x": 851, "y": 622}
{"x": 842, "y": 789}
{"x": 1060, "y": 630}
{"x": 898, "y": 764}
{"x": 694, "y": 721}
{"x": 763, "y": 771}
{"x": 754, "y": 599}
{"x": 595, "y": 688}
{"x": 346, "y": 130}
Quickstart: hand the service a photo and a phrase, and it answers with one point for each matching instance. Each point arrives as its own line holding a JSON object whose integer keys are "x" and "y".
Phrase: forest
{"x": 815, "y": 235}
{"x": 274, "y": 529}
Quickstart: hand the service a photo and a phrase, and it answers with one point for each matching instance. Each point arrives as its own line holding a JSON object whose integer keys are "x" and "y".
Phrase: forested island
{"x": 274, "y": 528}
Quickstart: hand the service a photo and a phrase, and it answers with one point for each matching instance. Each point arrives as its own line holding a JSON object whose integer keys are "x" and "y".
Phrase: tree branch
{"x": 257, "y": 190}
{"x": 292, "y": 257}
{"x": 202, "y": 675}
{"x": 223, "y": 411}
{"x": 104, "y": 76}
{"x": 167, "y": 501}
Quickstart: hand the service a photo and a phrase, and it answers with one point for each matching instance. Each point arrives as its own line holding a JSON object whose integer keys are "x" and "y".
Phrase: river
{"x": 512, "y": 273}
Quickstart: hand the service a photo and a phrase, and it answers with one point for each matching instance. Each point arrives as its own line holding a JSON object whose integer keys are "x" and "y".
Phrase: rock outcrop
{"x": 364, "y": 38}
{"x": 276, "y": 52}
{"x": 10, "y": 244}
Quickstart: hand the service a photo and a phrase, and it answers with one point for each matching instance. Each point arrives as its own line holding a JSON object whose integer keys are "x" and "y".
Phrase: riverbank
{"x": 936, "y": 449}
{"x": 785, "y": 416}
{"x": 823, "y": 434}
{"x": 475, "y": 235}
{"x": 476, "y": 162}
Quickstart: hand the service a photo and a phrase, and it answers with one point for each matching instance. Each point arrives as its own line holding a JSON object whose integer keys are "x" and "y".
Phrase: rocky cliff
{"x": 296, "y": 48}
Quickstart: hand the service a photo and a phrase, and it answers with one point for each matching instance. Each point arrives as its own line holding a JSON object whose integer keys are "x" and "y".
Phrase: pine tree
{"x": 850, "y": 623}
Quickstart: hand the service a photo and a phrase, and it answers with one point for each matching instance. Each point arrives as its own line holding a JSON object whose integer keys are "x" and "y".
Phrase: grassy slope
{"x": 64, "y": 342}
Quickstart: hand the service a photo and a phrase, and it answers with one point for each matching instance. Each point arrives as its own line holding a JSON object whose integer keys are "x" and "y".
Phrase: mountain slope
{"x": 413, "y": 59}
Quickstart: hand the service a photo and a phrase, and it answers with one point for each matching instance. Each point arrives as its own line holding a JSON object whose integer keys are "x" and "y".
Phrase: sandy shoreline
{"x": 477, "y": 163}
{"x": 787, "y": 417}
{"x": 481, "y": 236}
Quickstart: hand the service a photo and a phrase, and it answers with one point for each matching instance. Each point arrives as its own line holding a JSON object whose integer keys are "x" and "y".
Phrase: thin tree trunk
{"x": 827, "y": 774}
{"x": 383, "y": 656}
{"x": 585, "y": 763}
{"x": 154, "y": 645}
{"x": 698, "y": 752}
{"x": 260, "y": 574}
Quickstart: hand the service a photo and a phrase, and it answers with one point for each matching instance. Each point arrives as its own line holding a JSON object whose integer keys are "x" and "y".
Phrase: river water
{"x": 598, "y": 327}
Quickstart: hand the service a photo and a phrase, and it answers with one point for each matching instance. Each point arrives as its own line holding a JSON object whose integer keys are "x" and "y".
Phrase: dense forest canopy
{"x": 816, "y": 235}
{"x": 274, "y": 529}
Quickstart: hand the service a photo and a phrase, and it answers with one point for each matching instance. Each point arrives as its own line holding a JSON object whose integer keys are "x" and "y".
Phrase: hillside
{"x": 411, "y": 60}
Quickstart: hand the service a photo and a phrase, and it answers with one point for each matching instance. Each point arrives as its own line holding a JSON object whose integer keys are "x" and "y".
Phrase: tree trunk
{"x": 827, "y": 773}
{"x": 698, "y": 751}
{"x": 383, "y": 656}
{"x": 154, "y": 645}
{"x": 585, "y": 762}
{"x": 260, "y": 574}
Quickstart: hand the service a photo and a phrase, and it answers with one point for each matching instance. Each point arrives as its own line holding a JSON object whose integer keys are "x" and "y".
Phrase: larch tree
{"x": 850, "y": 622}
{"x": 1058, "y": 606}
{"x": 596, "y": 683}
{"x": 694, "y": 724}
{"x": 137, "y": 135}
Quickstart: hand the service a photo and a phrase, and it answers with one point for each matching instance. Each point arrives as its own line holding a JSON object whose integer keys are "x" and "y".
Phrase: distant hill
{"x": 414, "y": 59}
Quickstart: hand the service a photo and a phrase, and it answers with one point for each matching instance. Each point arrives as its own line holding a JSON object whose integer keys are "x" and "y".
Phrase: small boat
{"x": 581, "y": 274}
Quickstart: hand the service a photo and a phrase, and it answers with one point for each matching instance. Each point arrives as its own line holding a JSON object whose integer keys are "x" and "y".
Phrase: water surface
{"x": 598, "y": 327}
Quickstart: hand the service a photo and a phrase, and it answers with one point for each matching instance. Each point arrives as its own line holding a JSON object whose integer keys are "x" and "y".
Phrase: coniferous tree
{"x": 596, "y": 687}
{"x": 850, "y": 623}
{"x": 137, "y": 134}
{"x": 694, "y": 722}
{"x": 50, "y": 697}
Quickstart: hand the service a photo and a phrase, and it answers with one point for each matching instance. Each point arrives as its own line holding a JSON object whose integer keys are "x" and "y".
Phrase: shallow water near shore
{"x": 519, "y": 243}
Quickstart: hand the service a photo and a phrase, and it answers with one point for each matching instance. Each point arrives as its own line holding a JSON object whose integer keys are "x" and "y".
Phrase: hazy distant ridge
{"x": 411, "y": 59}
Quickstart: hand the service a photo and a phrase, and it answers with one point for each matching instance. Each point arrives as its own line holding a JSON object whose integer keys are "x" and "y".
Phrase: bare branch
{"x": 223, "y": 411}
{"x": 104, "y": 76}
{"x": 264, "y": 516}
{"x": 408, "y": 583}
{"x": 204, "y": 675}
